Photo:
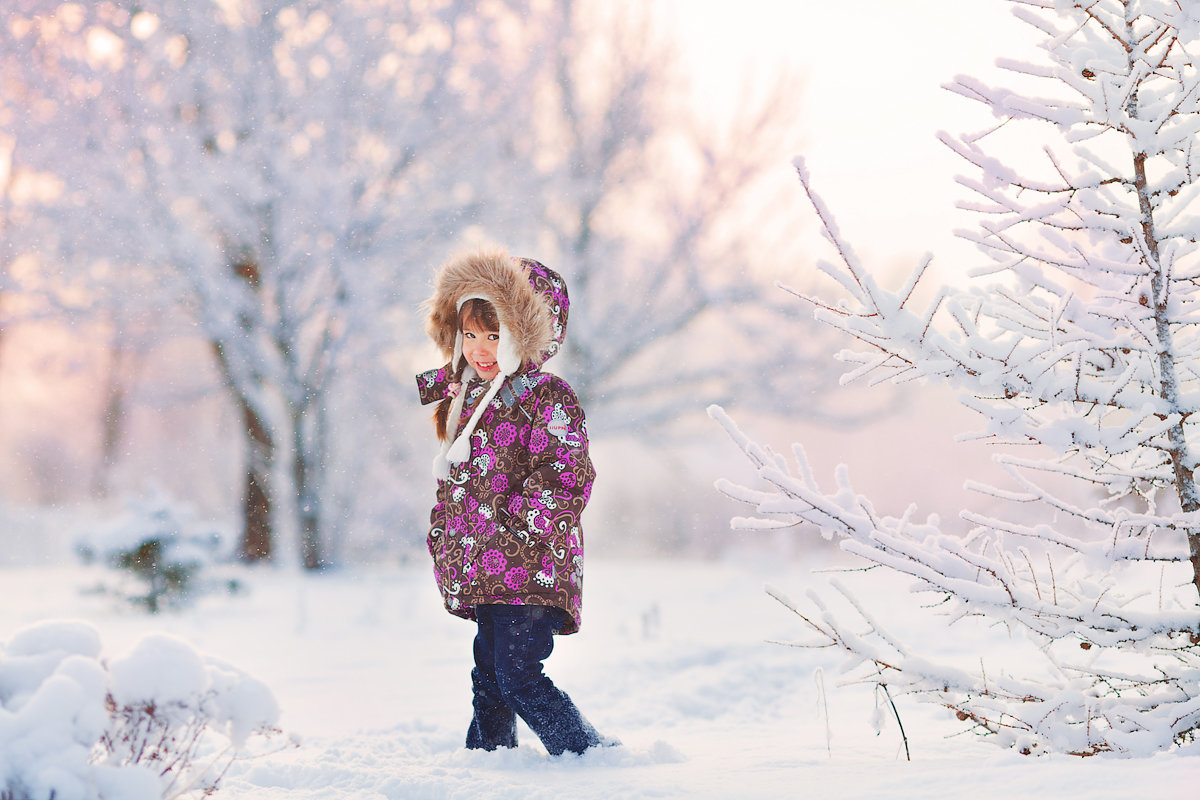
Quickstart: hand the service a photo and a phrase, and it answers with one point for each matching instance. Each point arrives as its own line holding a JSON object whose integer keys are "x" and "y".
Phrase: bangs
{"x": 480, "y": 312}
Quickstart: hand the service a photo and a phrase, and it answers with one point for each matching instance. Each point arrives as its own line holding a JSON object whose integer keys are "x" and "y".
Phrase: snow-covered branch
{"x": 1081, "y": 351}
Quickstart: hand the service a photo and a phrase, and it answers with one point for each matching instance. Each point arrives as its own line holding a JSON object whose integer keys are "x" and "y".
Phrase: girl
{"x": 513, "y": 478}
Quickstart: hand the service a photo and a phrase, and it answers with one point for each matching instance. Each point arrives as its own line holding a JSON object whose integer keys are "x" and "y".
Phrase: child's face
{"x": 479, "y": 348}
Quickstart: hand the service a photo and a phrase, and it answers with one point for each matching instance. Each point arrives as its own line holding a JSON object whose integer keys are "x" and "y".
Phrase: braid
{"x": 484, "y": 314}
{"x": 442, "y": 412}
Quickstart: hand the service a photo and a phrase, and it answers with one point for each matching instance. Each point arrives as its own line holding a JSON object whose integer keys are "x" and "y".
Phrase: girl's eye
{"x": 493, "y": 337}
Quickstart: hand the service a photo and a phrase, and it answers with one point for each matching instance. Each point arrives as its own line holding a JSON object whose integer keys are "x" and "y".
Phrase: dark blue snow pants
{"x": 510, "y": 645}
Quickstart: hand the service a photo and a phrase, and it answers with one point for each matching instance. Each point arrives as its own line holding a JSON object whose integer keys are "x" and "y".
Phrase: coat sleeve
{"x": 559, "y": 483}
{"x": 434, "y": 384}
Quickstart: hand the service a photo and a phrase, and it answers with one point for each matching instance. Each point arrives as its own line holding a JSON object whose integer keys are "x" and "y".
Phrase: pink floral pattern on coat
{"x": 506, "y": 524}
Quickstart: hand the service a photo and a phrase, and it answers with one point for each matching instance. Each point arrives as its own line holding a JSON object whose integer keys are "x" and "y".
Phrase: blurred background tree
{"x": 250, "y": 195}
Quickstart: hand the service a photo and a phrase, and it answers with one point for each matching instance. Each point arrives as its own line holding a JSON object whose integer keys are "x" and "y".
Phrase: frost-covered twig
{"x": 1082, "y": 351}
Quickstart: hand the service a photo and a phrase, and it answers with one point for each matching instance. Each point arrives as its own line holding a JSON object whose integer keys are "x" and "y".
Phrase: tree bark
{"x": 256, "y": 498}
{"x": 257, "y": 533}
{"x": 1185, "y": 481}
{"x": 112, "y": 421}
{"x": 304, "y": 467}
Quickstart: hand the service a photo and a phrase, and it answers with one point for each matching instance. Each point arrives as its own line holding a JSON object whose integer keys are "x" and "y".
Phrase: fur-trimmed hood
{"x": 531, "y": 303}
{"x": 530, "y": 300}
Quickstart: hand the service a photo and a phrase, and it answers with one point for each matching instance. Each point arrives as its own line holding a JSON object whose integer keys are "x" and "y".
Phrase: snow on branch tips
{"x": 1077, "y": 345}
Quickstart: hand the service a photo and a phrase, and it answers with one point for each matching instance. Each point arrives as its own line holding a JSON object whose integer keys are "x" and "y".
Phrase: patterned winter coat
{"x": 505, "y": 527}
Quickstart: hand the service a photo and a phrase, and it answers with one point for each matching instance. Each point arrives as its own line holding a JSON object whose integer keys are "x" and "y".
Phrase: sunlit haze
{"x": 872, "y": 102}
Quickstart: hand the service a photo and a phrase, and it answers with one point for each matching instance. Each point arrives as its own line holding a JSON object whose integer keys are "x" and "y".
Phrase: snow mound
{"x": 73, "y": 727}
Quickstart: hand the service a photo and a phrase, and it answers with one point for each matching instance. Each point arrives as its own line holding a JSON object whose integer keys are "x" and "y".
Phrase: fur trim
{"x": 527, "y": 328}
{"x": 525, "y": 314}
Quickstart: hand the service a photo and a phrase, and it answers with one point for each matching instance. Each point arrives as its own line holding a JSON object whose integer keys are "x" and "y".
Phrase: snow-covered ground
{"x": 674, "y": 659}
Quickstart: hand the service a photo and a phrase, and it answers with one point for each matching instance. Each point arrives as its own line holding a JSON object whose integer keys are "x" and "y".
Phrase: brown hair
{"x": 483, "y": 314}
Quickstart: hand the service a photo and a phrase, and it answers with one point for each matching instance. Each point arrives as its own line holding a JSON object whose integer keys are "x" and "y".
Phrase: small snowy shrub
{"x": 159, "y": 546}
{"x": 183, "y": 716}
{"x": 160, "y": 722}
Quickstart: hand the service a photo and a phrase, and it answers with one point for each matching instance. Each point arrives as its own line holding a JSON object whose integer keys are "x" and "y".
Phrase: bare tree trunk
{"x": 256, "y": 499}
{"x": 257, "y": 535}
{"x": 112, "y": 421}
{"x": 1185, "y": 481}
{"x": 305, "y": 466}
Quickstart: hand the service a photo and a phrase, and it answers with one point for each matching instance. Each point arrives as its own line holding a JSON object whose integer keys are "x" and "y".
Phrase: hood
{"x": 531, "y": 303}
{"x": 530, "y": 300}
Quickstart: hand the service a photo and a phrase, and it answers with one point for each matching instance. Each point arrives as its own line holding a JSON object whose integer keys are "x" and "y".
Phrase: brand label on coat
{"x": 557, "y": 428}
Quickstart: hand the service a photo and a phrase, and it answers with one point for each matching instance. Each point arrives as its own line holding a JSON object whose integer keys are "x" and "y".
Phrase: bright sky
{"x": 872, "y": 103}
{"x": 870, "y": 111}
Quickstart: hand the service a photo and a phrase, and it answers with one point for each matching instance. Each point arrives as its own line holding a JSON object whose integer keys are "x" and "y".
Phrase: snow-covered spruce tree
{"x": 1080, "y": 349}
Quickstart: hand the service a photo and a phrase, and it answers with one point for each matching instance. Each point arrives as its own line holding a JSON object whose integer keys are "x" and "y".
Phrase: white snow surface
{"x": 675, "y": 659}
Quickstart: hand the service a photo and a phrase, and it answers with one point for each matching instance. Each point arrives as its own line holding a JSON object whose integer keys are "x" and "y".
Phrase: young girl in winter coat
{"x": 513, "y": 478}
